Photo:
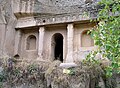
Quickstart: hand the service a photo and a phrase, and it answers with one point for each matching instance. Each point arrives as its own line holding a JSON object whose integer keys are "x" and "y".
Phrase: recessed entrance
{"x": 57, "y": 46}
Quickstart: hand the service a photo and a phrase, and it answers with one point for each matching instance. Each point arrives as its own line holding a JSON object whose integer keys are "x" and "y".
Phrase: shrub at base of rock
{"x": 51, "y": 75}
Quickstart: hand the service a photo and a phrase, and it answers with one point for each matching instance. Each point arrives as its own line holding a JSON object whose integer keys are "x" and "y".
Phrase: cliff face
{"x": 49, "y": 7}
{"x": 7, "y": 28}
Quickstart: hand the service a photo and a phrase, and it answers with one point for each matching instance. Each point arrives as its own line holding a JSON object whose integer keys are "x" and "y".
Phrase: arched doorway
{"x": 57, "y": 46}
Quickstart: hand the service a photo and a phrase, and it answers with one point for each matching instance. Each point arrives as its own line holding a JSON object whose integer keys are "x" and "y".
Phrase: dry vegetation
{"x": 50, "y": 75}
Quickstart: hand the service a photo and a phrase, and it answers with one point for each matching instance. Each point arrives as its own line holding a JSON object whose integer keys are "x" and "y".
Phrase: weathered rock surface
{"x": 7, "y": 28}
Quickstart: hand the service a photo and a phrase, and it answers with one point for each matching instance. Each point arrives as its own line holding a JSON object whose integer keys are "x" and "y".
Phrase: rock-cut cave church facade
{"x": 46, "y": 30}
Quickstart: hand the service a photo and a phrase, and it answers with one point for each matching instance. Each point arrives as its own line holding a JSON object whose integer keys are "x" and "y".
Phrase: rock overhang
{"x": 45, "y": 12}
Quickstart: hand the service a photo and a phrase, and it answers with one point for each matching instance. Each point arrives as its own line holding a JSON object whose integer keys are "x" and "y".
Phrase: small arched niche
{"x": 31, "y": 42}
{"x": 86, "y": 40}
{"x": 57, "y": 47}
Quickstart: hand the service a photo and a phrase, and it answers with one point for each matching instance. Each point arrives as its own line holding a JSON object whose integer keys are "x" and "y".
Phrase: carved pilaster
{"x": 41, "y": 42}
{"x": 70, "y": 35}
{"x": 17, "y": 42}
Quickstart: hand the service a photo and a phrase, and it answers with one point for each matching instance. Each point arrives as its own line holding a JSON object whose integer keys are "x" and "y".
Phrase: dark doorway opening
{"x": 49, "y": 86}
{"x": 17, "y": 56}
{"x": 58, "y": 49}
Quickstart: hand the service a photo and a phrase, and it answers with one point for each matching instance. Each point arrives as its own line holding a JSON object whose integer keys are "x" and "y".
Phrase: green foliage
{"x": 1, "y": 85}
{"x": 2, "y": 77}
{"x": 33, "y": 68}
{"x": 107, "y": 34}
{"x": 90, "y": 59}
{"x": 72, "y": 71}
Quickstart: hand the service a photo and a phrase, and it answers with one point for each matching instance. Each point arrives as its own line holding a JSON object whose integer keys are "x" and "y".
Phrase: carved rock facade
{"x": 46, "y": 29}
